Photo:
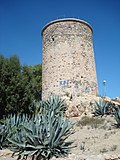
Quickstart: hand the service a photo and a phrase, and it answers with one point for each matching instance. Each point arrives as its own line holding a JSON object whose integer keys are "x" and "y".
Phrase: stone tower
{"x": 68, "y": 66}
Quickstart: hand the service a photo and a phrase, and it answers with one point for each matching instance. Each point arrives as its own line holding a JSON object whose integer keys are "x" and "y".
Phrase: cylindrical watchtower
{"x": 68, "y": 66}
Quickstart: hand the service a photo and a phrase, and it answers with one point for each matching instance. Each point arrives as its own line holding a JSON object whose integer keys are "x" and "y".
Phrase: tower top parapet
{"x": 67, "y": 19}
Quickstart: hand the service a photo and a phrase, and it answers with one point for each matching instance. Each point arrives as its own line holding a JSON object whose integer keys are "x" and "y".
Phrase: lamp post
{"x": 104, "y": 85}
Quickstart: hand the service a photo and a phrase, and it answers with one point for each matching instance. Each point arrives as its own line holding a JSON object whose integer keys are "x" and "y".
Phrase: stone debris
{"x": 89, "y": 157}
{"x": 84, "y": 105}
{"x": 81, "y": 106}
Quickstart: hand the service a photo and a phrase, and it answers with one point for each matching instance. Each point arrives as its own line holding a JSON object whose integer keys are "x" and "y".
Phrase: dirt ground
{"x": 95, "y": 139}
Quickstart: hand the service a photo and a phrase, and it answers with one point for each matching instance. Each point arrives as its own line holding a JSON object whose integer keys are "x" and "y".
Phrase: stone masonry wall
{"x": 68, "y": 65}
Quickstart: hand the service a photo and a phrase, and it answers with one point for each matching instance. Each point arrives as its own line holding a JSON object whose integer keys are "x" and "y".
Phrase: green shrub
{"x": 19, "y": 85}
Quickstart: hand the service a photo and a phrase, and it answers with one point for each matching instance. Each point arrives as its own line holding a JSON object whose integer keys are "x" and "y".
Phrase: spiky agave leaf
{"x": 117, "y": 116}
{"x": 56, "y": 104}
{"x": 101, "y": 107}
{"x": 45, "y": 137}
{"x": 45, "y": 133}
{"x": 11, "y": 125}
{"x": 36, "y": 107}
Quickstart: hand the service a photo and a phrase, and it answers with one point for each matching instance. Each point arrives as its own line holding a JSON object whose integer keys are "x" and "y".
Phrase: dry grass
{"x": 93, "y": 122}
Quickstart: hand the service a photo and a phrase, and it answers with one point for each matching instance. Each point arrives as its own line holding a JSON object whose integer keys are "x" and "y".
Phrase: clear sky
{"x": 21, "y": 22}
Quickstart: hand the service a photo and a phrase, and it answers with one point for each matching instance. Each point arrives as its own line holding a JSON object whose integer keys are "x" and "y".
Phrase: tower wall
{"x": 68, "y": 66}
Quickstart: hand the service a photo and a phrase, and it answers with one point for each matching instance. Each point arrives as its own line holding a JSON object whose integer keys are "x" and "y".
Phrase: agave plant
{"x": 36, "y": 107}
{"x": 101, "y": 108}
{"x": 9, "y": 127}
{"x": 117, "y": 116}
{"x": 53, "y": 104}
{"x": 56, "y": 104}
{"x": 44, "y": 136}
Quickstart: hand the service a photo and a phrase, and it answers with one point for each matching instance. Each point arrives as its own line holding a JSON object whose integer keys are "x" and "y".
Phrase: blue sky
{"x": 21, "y": 22}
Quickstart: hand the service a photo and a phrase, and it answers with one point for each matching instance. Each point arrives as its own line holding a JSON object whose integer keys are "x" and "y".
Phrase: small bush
{"x": 104, "y": 150}
{"x": 90, "y": 121}
{"x": 113, "y": 148}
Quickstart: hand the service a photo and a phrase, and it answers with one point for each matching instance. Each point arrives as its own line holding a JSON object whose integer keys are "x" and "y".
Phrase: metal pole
{"x": 104, "y": 85}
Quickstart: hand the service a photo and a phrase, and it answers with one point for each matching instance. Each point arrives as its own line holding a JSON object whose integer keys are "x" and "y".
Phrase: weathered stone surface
{"x": 116, "y": 101}
{"x": 85, "y": 104}
{"x": 80, "y": 106}
{"x": 68, "y": 66}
